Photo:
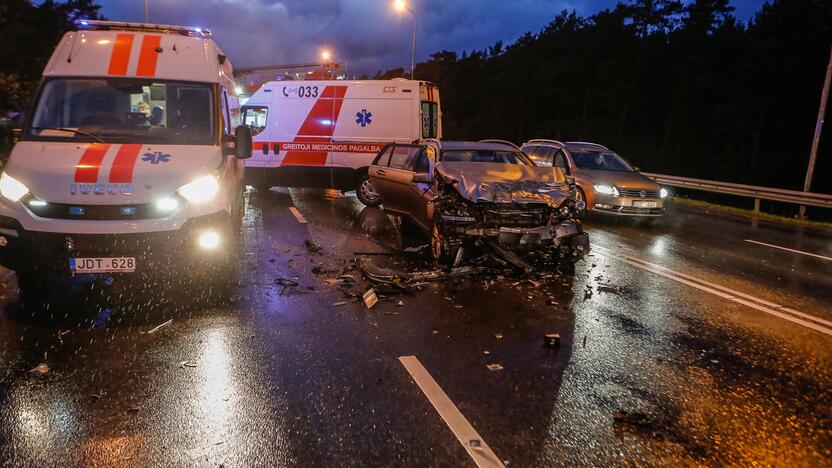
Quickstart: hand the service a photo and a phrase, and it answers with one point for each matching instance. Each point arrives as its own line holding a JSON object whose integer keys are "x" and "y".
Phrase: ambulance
{"x": 131, "y": 162}
{"x": 326, "y": 133}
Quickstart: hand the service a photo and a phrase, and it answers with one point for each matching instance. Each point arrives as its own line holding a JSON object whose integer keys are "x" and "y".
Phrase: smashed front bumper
{"x": 554, "y": 233}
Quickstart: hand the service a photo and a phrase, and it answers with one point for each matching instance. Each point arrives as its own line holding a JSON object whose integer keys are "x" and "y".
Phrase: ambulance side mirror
{"x": 242, "y": 143}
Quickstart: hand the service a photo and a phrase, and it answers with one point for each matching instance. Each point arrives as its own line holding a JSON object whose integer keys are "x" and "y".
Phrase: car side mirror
{"x": 241, "y": 145}
{"x": 421, "y": 178}
{"x": 636, "y": 169}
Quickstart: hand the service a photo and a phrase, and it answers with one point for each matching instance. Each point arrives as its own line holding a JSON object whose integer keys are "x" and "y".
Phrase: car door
{"x": 392, "y": 173}
{"x": 417, "y": 201}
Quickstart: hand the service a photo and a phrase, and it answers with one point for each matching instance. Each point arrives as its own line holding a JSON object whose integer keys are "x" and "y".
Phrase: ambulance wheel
{"x": 366, "y": 193}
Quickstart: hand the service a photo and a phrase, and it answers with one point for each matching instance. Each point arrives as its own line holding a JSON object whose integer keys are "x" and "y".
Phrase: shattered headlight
{"x": 606, "y": 190}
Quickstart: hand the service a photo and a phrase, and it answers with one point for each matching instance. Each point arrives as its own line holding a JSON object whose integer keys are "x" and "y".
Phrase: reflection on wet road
{"x": 649, "y": 370}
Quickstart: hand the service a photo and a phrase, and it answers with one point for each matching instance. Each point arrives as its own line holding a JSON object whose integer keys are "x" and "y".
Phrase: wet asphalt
{"x": 649, "y": 370}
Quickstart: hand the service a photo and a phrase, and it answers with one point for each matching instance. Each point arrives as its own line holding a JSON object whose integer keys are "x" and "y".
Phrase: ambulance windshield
{"x": 124, "y": 111}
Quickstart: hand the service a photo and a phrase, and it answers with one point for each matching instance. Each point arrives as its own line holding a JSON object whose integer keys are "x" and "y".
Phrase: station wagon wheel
{"x": 367, "y": 193}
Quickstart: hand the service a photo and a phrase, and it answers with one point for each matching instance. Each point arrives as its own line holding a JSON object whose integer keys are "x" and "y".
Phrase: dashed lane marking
{"x": 785, "y": 313}
{"x": 297, "y": 215}
{"x": 790, "y": 250}
{"x": 479, "y": 451}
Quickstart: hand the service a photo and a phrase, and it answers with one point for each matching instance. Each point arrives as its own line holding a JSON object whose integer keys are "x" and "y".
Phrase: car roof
{"x": 477, "y": 145}
{"x": 584, "y": 145}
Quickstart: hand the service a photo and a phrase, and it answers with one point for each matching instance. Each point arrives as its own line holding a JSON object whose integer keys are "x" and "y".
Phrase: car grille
{"x": 516, "y": 216}
{"x": 637, "y": 193}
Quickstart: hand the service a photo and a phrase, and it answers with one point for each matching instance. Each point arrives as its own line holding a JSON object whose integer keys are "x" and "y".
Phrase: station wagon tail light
{"x": 12, "y": 188}
{"x": 606, "y": 190}
{"x": 663, "y": 193}
{"x": 201, "y": 190}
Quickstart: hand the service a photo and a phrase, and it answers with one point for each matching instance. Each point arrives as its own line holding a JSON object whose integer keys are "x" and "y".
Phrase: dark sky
{"x": 368, "y": 34}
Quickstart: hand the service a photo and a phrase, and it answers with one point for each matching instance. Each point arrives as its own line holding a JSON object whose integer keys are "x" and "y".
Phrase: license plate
{"x": 645, "y": 204}
{"x": 102, "y": 265}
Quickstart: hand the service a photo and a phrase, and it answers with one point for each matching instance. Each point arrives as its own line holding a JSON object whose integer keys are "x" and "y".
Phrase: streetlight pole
{"x": 813, "y": 153}
{"x": 413, "y": 49}
{"x": 146, "y": 16}
{"x": 401, "y": 5}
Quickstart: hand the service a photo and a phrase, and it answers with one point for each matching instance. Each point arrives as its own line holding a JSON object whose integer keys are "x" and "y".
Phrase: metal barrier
{"x": 749, "y": 191}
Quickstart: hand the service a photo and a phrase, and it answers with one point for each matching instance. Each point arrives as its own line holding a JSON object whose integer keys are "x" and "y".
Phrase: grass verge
{"x": 708, "y": 206}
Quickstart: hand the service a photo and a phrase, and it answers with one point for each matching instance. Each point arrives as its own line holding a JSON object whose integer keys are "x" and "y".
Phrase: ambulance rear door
{"x": 374, "y": 114}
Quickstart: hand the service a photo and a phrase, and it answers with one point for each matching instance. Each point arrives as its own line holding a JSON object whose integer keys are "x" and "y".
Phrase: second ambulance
{"x": 131, "y": 162}
{"x": 326, "y": 133}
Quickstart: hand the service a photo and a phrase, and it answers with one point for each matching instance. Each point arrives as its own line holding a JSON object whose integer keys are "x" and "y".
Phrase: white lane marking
{"x": 462, "y": 429}
{"x": 733, "y": 292}
{"x": 790, "y": 250}
{"x": 815, "y": 323}
{"x": 297, "y": 215}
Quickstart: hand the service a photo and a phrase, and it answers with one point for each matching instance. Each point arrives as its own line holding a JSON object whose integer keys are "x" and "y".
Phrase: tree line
{"x": 682, "y": 89}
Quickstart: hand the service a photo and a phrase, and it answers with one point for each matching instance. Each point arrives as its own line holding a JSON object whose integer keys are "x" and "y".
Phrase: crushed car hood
{"x": 506, "y": 183}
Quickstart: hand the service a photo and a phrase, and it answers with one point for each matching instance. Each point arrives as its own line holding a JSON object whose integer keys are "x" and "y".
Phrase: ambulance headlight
{"x": 201, "y": 190}
{"x": 12, "y": 188}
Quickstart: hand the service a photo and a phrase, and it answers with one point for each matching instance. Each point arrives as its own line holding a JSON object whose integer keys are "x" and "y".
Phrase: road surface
{"x": 680, "y": 343}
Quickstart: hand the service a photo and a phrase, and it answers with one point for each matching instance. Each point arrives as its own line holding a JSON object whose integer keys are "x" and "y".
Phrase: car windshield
{"x": 124, "y": 111}
{"x": 600, "y": 161}
{"x": 486, "y": 156}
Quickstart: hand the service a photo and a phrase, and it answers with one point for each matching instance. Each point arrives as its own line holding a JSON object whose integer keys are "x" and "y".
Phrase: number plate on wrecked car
{"x": 102, "y": 265}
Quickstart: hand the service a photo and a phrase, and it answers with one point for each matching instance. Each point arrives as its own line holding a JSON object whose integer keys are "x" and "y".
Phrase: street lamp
{"x": 401, "y": 7}
{"x": 326, "y": 61}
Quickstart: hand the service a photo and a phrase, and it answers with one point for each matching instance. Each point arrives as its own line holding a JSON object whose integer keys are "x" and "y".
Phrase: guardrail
{"x": 749, "y": 191}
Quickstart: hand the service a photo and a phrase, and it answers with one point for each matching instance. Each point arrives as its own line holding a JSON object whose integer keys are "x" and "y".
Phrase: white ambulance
{"x": 131, "y": 161}
{"x": 326, "y": 133}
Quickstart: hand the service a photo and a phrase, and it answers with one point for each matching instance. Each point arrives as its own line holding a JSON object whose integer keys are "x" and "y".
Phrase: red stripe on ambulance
{"x": 120, "y": 56}
{"x": 122, "y": 170}
{"x": 318, "y": 128}
{"x": 148, "y": 56}
{"x": 86, "y": 171}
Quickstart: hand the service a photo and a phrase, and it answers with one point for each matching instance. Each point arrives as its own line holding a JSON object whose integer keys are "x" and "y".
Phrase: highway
{"x": 704, "y": 339}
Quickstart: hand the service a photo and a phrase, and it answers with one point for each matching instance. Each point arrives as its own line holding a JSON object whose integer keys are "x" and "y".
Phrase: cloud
{"x": 367, "y": 34}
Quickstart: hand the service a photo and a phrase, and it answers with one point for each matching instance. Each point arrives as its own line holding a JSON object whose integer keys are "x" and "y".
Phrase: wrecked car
{"x": 476, "y": 198}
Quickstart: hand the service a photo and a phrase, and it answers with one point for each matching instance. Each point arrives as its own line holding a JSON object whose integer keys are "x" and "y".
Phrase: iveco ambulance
{"x": 326, "y": 133}
{"x": 131, "y": 161}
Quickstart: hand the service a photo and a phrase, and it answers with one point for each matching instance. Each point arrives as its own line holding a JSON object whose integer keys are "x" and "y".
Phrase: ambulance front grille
{"x": 97, "y": 212}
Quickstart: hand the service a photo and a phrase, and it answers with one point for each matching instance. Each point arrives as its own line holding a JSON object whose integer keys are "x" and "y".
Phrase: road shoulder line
{"x": 815, "y": 323}
{"x": 479, "y": 451}
{"x": 788, "y": 249}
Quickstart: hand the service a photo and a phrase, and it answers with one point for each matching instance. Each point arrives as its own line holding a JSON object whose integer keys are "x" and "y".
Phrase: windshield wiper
{"x": 77, "y": 132}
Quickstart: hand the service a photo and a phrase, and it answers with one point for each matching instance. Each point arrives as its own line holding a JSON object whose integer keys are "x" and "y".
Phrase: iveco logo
{"x": 643, "y": 194}
{"x": 101, "y": 189}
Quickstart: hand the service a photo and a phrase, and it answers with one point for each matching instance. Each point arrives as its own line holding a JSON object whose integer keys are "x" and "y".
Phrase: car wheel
{"x": 437, "y": 244}
{"x": 366, "y": 192}
{"x": 580, "y": 195}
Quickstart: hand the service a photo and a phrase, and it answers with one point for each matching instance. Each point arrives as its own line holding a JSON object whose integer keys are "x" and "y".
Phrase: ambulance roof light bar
{"x": 99, "y": 25}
